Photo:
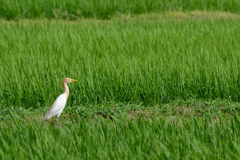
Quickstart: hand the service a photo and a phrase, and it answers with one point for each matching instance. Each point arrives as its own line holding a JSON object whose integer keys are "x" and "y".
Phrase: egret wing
{"x": 57, "y": 106}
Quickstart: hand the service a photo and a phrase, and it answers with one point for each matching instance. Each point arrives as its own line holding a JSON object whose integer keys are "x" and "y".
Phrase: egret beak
{"x": 73, "y": 80}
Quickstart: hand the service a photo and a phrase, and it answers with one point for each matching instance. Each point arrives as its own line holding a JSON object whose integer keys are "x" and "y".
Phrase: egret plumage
{"x": 59, "y": 104}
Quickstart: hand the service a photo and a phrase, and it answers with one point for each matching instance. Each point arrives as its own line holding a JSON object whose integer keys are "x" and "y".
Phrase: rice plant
{"x": 127, "y": 132}
{"x": 75, "y": 9}
{"x": 137, "y": 62}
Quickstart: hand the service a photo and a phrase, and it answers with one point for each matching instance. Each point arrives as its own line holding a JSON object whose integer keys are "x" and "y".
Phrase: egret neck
{"x": 66, "y": 89}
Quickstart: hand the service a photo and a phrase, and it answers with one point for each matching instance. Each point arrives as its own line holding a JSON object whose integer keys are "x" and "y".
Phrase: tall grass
{"x": 189, "y": 129}
{"x": 14, "y": 9}
{"x": 163, "y": 138}
{"x": 137, "y": 62}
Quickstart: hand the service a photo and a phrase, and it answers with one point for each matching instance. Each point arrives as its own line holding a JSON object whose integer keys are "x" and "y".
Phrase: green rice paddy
{"x": 77, "y": 9}
{"x": 156, "y": 80}
{"x": 137, "y": 61}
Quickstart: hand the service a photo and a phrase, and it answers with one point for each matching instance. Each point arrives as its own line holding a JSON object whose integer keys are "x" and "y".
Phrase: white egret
{"x": 59, "y": 104}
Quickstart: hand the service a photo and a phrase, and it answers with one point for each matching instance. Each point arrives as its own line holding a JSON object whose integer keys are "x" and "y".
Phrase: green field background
{"x": 74, "y": 9}
{"x": 141, "y": 139}
{"x": 156, "y": 79}
{"x": 136, "y": 62}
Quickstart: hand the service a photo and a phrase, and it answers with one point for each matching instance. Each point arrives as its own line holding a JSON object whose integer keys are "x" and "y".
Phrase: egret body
{"x": 59, "y": 104}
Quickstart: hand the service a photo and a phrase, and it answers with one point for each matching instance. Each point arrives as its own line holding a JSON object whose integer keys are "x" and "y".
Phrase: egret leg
{"x": 57, "y": 122}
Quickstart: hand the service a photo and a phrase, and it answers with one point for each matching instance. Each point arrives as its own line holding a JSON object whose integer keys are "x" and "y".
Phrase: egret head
{"x": 69, "y": 80}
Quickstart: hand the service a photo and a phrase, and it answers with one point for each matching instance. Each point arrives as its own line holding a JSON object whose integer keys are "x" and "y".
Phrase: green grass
{"x": 74, "y": 9}
{"x": 153, "y": 86}
{"x": 142, "y": 61}
{"x": 189, "y": 129}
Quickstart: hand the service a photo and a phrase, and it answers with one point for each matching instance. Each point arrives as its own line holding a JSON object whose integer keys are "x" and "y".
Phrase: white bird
{"x": 59, "y": 104}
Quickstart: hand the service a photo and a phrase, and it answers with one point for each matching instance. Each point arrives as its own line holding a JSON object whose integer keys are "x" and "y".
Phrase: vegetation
{"x": 156, "y": 79}
{"x": 180, "y": 130}
{"x": 149, "y": 62}
{"x": 75, "y": 9}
